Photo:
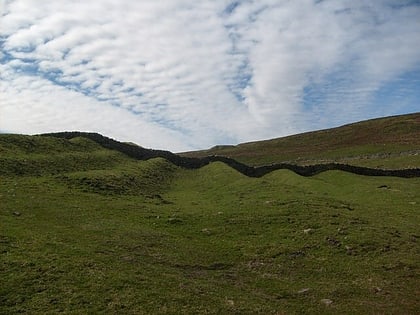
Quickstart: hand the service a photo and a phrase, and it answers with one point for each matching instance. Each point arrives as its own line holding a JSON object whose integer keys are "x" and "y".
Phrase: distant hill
{"x": 391, "y": 142}
{"x": 381, "y": 147}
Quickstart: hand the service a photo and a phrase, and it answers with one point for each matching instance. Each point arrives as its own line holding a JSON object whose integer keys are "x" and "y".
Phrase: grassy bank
{"x": 150, "y": 238}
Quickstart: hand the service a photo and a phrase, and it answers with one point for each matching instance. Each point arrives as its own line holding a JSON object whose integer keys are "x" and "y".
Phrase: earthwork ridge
{"x": 140, "y": 153}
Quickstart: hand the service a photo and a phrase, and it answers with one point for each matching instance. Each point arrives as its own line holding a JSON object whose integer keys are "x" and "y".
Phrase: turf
{"x": 87, "y": 230}
{"x": 209, "y": 241}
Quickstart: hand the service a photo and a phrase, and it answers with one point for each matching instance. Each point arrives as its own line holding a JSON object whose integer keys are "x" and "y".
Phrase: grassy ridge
{"x": 392, "y": 142}
{"x": 131, "y": 178}
{"x": 35, "y": 155}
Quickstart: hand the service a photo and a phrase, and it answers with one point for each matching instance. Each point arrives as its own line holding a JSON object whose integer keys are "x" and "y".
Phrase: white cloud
{"x": 72, "y": 111}
{"x": 181, "y": 74}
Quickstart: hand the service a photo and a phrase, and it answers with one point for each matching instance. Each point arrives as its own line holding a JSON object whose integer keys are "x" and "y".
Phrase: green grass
{"x": 149, "y": 238}
{"x": 37, "y": 156}
{"x": 86, "y": 230}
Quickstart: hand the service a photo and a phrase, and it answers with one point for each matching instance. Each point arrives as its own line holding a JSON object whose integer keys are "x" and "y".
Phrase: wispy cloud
{"x": 187, "y": 74}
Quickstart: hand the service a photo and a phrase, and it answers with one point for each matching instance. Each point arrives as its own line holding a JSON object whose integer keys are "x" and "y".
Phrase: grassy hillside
{"x": 84, "y": 230}
{"x": 35, "y": 155}
{"x": 392, "y": 142}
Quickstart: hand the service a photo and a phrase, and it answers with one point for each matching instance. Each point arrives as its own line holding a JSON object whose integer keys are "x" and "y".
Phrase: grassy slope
{"x": 89, "y": 230}
{"x": 392, "y": 142}
{"x": 34, "y": 155}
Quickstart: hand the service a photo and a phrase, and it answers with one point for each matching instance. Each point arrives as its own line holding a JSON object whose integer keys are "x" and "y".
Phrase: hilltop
{"x": 390, "y": 142}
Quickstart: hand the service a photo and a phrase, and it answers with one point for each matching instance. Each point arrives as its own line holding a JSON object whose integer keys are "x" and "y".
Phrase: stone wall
{"x": 140, "y": 153}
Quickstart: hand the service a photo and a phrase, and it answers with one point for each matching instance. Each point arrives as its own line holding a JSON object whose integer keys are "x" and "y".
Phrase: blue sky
{"x": 183, "y": 75}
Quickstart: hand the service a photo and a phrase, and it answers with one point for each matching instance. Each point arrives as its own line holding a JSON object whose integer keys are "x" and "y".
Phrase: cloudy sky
{"x": 184, "y": 74}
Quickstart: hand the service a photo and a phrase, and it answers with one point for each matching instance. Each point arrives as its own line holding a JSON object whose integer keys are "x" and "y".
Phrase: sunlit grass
{"x": 210, "y": 241}
{"x": 85, "y": 230}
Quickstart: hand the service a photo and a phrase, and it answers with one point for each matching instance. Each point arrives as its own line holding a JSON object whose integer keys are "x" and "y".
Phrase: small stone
{"x": 304, "y": 290}
{"x": 341, "y": 231}
{"x": 377, "y": 289}
{"x": 206, "y": 231}
{"x": 230, "y": 302}
{"x": 307, "y": 231}
{"x": 174, "y": 220}
{"x": 17, "y": 213}
{"x": 327, "y": 302}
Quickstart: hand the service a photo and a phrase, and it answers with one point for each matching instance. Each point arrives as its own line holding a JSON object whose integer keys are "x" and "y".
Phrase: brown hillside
{"x": 392, "y": 142}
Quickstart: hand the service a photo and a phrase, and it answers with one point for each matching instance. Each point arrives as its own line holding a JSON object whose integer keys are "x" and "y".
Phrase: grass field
{"x": 207, "y": 241}
{"x": 86, "y": 230}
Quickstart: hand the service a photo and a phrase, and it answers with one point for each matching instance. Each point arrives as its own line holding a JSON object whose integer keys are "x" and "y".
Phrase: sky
{"x": 184, "y": 75}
